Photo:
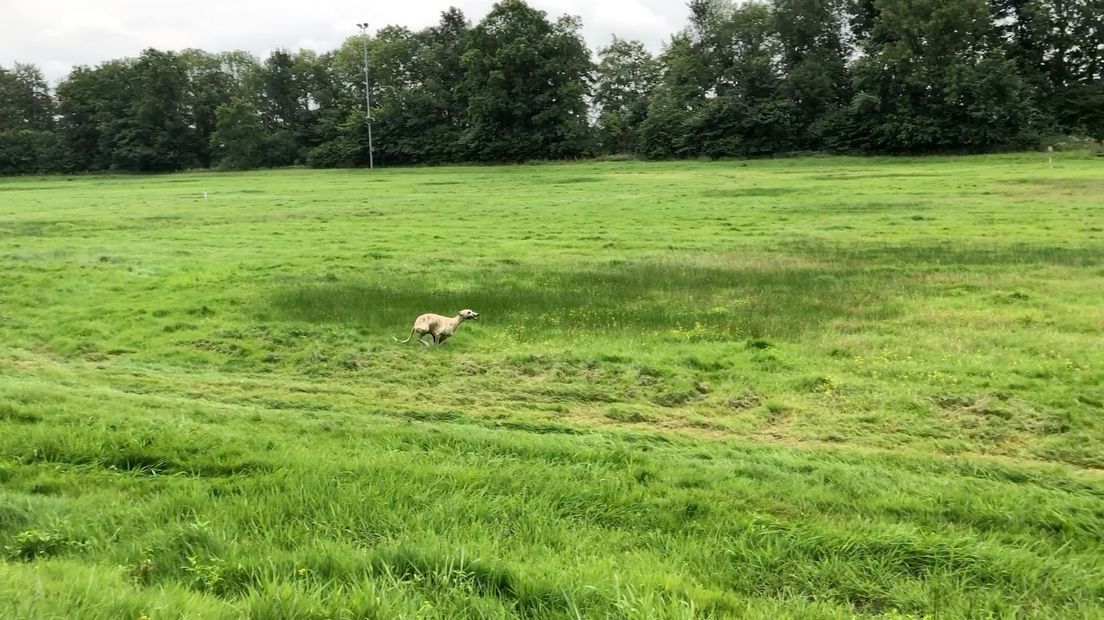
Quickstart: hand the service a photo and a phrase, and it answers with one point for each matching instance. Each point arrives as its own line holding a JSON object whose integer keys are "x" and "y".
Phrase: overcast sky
{"x": 57, "y": 34}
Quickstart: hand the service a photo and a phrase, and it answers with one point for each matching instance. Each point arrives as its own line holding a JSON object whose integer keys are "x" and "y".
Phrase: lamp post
{"x": 367, "y": 95}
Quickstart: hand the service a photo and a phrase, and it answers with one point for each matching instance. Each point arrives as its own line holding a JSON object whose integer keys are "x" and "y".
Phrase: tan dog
{"x": 440, "y": 327}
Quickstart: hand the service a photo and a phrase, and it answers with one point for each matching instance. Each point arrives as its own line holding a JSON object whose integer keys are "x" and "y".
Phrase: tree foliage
{"x": 626, "y": 76}
{"x": 526, "y": 82}
{"x": 27, "y": 139}
{"x": 955, "y": 91}
{"x": 741, "y": 79}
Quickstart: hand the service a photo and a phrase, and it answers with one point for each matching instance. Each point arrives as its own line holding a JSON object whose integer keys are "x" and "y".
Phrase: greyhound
{"x": 440, "y": 327}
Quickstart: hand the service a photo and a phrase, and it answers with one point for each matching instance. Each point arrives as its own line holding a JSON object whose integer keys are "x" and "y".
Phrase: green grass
{"x": 822, "y": 387}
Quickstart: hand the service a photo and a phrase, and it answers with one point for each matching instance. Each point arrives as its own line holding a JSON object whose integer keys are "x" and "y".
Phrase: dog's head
{"x": 469, "y": 314}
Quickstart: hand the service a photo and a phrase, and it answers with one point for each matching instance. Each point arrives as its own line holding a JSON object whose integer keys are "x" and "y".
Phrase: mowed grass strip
{"x": 823, "y": 387}
{"x": 527, "y": 523}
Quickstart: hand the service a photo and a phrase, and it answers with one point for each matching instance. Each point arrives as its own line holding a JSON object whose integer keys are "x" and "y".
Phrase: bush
{"x": 25, "y": 151}
{"x": 339, "y": 153}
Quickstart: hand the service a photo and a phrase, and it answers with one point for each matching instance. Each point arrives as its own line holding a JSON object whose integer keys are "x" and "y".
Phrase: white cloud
{"x": 630, "y": 19}
{"x": 57, "y": 34}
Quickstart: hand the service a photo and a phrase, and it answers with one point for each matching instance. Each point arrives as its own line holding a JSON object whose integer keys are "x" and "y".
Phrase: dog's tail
{"x": 404, "y": 341}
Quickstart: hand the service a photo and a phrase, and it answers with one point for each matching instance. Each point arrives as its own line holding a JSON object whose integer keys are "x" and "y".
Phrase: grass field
{"x": 802, "y": 388}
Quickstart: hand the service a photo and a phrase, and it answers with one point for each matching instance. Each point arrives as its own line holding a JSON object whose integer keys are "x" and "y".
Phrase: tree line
{"x": 741, "y": 79}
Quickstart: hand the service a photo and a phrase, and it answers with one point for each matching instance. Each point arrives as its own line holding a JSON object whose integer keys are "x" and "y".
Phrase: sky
{"x": 58, "y": 34}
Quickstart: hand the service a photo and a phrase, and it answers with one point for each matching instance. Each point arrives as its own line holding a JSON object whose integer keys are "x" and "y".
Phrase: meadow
{"x": 798, "y": 388}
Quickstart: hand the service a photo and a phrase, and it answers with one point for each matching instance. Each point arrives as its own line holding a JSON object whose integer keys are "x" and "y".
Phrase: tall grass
{"x": 714, "y": 301}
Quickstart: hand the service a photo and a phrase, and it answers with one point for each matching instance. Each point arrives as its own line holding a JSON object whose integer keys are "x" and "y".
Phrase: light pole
{"x": 367, "y": 95}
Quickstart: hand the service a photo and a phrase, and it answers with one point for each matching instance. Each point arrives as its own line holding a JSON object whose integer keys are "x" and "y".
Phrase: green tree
{"x": 817, "y": 79}
{"x": 154, "y": 133}
{"x": 1058, "y": 48}
{"x": 28, "y": 151}
{"x": 430, "y": 117}
{"x": 722, "y": 92}
{"x": 209, "y": 85}
{"x": 341, "y": 126}
{"x": 25, "y": 99}
{"x": 626, "y": 76}
{"x": 932, "y": 79}
{"x": 420, "y": 113}
{"x": 240, "y": 140}
{"x": 404, "y": 105}
{"x": 861, "y": 17}
{"x": 128, "y": 115}
{"x": 448, "y": 41}
{"x": 526, "y": 80}
{"x": 281, "y": 90}
{"x": 92, "y": 102}
{"x": 677, "y": 102}
{"x": 27, "y": 140}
